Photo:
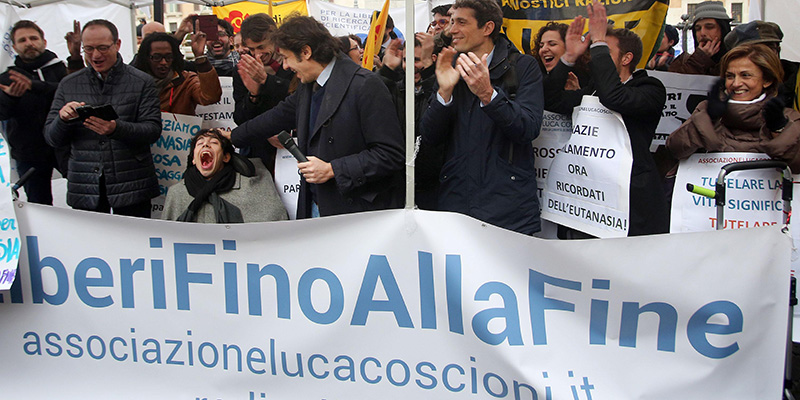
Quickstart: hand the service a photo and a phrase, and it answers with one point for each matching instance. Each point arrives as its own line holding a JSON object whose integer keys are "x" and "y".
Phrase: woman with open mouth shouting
{"x": 220, "y": 186}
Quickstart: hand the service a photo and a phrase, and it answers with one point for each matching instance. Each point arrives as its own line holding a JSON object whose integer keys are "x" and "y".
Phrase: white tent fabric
{"x": 56, "y": 18}
{"x": 783, "y": 13}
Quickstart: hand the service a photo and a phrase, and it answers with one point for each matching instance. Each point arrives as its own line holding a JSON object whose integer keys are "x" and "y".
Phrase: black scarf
{"x": 208, "y": 191}
{"x": 36, "y": 63}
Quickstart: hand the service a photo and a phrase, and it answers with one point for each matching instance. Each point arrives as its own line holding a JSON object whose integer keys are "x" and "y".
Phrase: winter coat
{"x": 741, "y": 128}
{"x": 27, "y": 114}
{"x": 123, "y": 157}
{"x": 255, "y": 196}
{"x": 188, "y": 89}
{"x": 489, "y": 169}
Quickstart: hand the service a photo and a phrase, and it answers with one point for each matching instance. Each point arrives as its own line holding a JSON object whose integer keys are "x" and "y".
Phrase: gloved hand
{"x": 717, "y": 100}
{"x": 773, "y": 114}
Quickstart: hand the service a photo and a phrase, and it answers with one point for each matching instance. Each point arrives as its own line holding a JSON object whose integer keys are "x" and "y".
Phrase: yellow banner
{"x": 523, "y": 19}
{"x": 236, "y": 13}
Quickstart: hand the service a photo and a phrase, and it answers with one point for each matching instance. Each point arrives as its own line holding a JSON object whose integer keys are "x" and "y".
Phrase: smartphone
{"x": 105, "y": 112}
{"x": 208, "y": 25}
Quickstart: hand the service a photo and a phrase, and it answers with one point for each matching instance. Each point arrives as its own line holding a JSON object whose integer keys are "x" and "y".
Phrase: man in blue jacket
{"x": 487, "y": 110}
{"x": 346, "y": 125}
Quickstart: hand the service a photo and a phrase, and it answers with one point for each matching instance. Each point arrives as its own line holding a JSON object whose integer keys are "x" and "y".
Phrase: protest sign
{"x": 554, "y": 134}
{"x": 170, "y": 153}
{"x": 9, "y": 235}
{"x": 342, "y": 21}
{"x": 219, "y": 114}
{"x": 287, "y": 181}
{"x": 588, "y": 184}
{"x": 753, "y": 199}
{"x": 420, "y": 305}
{"x": 684, "y": 93}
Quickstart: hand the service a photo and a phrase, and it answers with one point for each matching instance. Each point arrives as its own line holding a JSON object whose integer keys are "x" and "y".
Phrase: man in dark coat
{"x": 487, "y": 110}
{"x": 26, "y": 92}
{"x": 346, "y": 126}
{"x": 637, "y": 97}
{"x": 259, "y": 82}
{"x": 110, "y": 166}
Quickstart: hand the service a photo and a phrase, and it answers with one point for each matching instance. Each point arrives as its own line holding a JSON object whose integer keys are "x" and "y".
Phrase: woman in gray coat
{"x": 220, "y": 186}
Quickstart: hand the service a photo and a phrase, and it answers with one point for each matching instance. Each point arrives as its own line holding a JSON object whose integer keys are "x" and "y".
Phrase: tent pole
{"x": 410, "y": 112}
{"x": 158, "y": 11}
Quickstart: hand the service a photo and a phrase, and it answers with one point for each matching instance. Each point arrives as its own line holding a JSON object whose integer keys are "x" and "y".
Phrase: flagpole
{"x": 410, "y": 112}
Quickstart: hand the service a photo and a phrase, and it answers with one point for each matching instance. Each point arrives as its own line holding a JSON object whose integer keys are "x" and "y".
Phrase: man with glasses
{"x": 220, "y": 52}
{"x": 179, "y": 91}
{"x": 441, "y": 19}
{"x": 110, "y": 166}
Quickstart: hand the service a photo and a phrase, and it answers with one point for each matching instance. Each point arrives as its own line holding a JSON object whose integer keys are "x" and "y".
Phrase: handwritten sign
{"x": 170, "y": 152}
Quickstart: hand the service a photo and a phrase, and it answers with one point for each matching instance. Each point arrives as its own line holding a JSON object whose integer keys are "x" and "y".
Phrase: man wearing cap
{"x": 666, "y": 53}
{"x": 770, "y": 35}
{"x": 710, "y": 25}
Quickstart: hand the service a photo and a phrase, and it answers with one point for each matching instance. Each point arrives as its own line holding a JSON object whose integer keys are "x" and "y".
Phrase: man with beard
{"x": 220, "y": 52}
{"x": 179, "y": 91}
{"x": 710, "y": 25}
{"x": 27, "y": 92}
{"x": 260, "y": 82}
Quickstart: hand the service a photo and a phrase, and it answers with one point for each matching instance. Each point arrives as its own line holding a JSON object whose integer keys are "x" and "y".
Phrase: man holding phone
{"x": 219, "y": 50}
{"x": 110, "y": 166}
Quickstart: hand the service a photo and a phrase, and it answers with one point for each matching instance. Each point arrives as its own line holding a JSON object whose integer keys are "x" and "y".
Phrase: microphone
{"x": 286, "y": 140}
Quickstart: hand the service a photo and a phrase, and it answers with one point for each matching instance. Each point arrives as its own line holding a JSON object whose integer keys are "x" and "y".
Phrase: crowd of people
{"x": 479, "y": 104}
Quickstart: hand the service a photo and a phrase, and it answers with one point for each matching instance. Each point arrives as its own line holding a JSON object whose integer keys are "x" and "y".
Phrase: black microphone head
{"x": 286, "y": 139}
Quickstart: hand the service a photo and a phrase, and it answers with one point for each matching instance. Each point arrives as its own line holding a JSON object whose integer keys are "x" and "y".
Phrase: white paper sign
{"x": 287, "y": 181}
{"x": 342, "y": 21}
{"x": 554, "y": 134}
{"x": 7, "y": 54}
{"x": 219, "y": 114}
{"x": 684, "y": 93}
{"x": 588, "y": 182}
{"x": 170, "y": 153}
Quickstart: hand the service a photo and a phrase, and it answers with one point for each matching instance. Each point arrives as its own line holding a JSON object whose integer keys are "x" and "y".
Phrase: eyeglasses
{"x": 354, "y": 48}
{"x": 440, "y": 22}
{"x": 102, "y": 49}
{"x": 222, "y": 34}
{"x": 159, "y": 57}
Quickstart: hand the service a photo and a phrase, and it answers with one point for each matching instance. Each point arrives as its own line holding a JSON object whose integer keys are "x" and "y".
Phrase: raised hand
{"x": 446, "y": 75}
{"x": 475, "y": 72}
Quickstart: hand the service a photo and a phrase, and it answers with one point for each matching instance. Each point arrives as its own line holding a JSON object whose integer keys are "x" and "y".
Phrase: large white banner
{"x": 170, "y": 153}
{"x": 588, "y": 182}
{"x": 554, "y": 134}
{"x": 684, "y": 93}
{"x": 342, "y": 21}
{"x": 392, "y": 304}
{"x": 9, "y": 235}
